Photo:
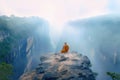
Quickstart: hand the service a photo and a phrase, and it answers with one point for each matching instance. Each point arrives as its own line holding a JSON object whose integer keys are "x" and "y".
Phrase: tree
{"x": 5, "y": 71}
{"x": 114, "y": 76}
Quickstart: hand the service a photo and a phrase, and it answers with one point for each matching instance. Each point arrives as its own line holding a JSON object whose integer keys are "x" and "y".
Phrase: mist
{"x": 96, "y": 37}
{"x": 31, "y": 28}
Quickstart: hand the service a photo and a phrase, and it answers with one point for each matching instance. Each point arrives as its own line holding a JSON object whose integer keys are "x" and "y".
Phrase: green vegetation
{"x": 5, "y": 71}
{"x": 12, "y": 31}
{"x": 5, "y": 47}
{"x": 15, "y": 29}
{"x": 114, "y": 76}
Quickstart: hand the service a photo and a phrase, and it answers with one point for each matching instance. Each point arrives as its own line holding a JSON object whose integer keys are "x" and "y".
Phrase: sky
{"x": 57, "y": 12}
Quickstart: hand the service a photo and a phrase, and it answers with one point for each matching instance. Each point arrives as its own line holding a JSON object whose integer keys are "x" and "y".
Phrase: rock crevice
{"x": 71, "y": 66}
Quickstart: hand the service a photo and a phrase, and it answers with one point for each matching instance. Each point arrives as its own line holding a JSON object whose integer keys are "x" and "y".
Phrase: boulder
{"x": 71, "y": 66}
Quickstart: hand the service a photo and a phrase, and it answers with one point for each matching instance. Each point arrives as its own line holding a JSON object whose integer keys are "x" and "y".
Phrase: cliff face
{"x": 21, "y": 39}
{"x": 26, "y": 55}
{"x": 70, "y": 66}
{"x": 97, "y": 37}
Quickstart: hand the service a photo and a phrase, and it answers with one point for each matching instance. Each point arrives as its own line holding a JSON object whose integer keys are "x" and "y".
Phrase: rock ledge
{"x": 70, "y": 66}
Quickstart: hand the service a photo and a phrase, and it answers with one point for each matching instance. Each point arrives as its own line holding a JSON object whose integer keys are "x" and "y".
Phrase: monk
{"x": 65, "y": 48}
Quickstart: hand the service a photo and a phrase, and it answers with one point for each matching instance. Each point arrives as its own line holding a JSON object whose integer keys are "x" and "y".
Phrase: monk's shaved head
{"x": 65, "y": 43}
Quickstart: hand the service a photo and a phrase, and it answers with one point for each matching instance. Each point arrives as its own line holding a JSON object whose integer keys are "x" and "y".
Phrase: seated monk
{"x": 65, "y": 48}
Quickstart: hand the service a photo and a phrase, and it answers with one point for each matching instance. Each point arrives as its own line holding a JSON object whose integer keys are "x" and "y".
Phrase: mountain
{"x": 22, "y": 41}
{"x": 98, "y": 38}
{"x": 69, "y": 66}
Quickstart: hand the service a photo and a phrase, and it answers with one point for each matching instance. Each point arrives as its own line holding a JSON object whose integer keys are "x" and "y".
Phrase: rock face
{"x": 70, "y": 66}
{"x": 21, "y": 39}
{"x": 93, "y": 43}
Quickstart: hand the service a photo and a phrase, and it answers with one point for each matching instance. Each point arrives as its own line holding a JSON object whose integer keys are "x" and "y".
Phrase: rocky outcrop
{"x": 70, "y": 66}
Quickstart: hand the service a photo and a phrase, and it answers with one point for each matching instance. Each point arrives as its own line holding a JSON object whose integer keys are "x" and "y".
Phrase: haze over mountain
{"x": 22, "y": 41}
{"x": 98, "y": 38}
{"x": 90, "y": 27}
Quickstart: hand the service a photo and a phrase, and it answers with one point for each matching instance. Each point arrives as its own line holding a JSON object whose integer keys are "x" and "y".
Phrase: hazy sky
{"x": 59, "y": 11}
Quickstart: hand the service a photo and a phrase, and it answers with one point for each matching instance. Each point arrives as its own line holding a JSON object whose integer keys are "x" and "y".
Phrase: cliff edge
{"x": 70, "y": 66}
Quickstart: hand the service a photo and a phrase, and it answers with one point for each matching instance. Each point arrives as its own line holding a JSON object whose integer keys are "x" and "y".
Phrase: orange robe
{"x": 65, "y": 49}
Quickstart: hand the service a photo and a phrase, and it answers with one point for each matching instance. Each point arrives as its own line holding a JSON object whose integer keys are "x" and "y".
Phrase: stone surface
{"x": 71, "y": 66}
